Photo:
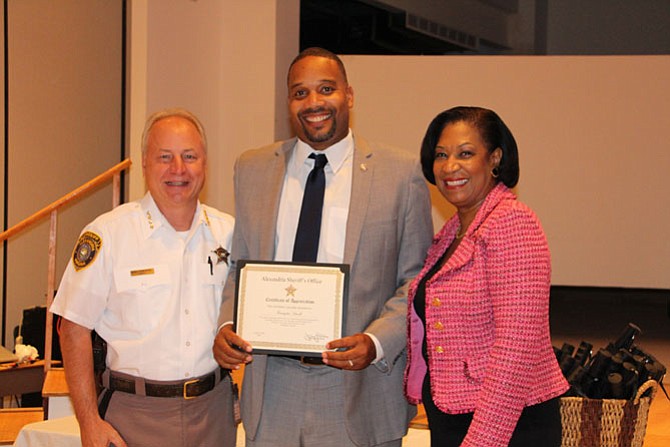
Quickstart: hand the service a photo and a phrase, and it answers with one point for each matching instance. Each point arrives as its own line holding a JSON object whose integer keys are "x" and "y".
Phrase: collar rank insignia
{"x": 221, "y": 255}
{"x": 86, "y": 250}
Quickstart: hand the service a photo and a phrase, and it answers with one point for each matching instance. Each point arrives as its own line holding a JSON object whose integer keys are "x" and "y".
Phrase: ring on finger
{"x": 351, "y": 363}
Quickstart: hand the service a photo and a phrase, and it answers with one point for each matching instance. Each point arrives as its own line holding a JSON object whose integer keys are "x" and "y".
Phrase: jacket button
{"x": 436, "y": 302}
{"x": 438, "y": 326}
{"x": 439, "y": 349}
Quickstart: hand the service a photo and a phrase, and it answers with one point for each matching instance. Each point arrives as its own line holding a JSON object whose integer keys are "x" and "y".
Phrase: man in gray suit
{"x": 376, "y": 218}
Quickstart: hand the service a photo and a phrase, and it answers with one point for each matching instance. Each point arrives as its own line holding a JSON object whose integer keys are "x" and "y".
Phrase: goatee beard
{"x": 320, "y": 138}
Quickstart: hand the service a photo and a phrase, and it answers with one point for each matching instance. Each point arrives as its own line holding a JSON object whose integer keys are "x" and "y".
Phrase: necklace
{"x": 460, "y": 235}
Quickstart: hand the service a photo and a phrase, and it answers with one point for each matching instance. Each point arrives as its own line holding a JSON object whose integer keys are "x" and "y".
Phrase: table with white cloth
{"x": 61, "y": 432}
{"x": 64, "y": 432}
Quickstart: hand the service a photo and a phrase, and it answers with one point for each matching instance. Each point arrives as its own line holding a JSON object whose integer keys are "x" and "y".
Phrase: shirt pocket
{"x": 143, "y": 294}
{"x": 140, "y": 278}
{"x": 213, "y": 277}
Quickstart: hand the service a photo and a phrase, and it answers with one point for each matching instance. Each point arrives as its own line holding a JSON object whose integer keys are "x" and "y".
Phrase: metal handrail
{"x": 52, "y": 209}
{"x": 67, "y": 198}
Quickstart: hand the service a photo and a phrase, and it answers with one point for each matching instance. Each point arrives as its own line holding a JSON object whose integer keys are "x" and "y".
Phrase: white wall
{"x": 592, "y": 134}
{"x": 590, "y": 129}
{"x": 220, "y": 60}
{"x": 64, "y": 115}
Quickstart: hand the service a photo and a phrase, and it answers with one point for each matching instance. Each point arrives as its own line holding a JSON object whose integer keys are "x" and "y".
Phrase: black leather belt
{"x": 187, "y": 389}
{"x": 312, "y": 361}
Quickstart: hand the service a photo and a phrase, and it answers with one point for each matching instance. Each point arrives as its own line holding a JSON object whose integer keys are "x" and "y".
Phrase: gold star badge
{"x": 290, "y": 290}
{"x": 221, "y": 255}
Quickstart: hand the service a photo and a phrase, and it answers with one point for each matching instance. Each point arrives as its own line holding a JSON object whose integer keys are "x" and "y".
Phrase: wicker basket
{"x": 606, "y": 422}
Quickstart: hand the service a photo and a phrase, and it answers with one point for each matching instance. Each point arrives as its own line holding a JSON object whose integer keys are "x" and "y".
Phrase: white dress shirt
{"x": 335, "y": 200}
{"x": 337, "y": 195}
{"x": 152, "y": 293}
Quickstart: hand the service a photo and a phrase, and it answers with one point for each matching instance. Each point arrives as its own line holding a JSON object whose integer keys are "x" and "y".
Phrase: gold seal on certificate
{"x": 290, "y": 308}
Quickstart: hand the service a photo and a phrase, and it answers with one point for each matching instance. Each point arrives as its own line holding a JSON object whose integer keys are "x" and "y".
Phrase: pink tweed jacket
{"x": 487, "y": 320}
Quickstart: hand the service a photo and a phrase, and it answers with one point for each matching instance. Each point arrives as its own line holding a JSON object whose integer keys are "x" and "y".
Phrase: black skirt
{"x": 538, "y": 425}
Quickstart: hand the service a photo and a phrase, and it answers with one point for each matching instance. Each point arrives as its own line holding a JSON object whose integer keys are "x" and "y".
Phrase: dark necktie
{"x": 306, "y": 243}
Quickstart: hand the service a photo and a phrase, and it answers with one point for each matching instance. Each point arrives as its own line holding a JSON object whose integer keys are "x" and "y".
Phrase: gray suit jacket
{"x": 389, "y": 229}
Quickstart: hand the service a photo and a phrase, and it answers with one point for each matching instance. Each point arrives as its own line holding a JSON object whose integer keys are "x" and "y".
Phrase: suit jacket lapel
{"x": 466, "y": 248}
{"x": 363, "y": 171}
{"x": 268, "y": 208}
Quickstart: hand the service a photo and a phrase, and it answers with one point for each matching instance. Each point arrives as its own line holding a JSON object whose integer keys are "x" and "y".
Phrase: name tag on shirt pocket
{"x": 141, "y": 277}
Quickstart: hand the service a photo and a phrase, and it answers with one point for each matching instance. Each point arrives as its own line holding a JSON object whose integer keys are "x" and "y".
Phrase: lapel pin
{"x": 363, "y": 167}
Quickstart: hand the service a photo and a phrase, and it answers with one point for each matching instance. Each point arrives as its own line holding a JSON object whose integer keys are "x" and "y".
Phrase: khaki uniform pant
{"x": 206, "y": 420}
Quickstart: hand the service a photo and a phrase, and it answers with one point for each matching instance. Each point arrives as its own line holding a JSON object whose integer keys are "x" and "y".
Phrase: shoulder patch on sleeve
{"x": 86, "y": 250}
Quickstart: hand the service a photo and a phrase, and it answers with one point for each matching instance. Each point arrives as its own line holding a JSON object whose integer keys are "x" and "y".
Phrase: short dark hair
{"x": 492, "y": 130}
{"x": 319, "y": 52}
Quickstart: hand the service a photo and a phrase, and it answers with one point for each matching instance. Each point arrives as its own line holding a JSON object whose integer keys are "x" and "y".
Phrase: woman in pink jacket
{"x": 480, "y": 353}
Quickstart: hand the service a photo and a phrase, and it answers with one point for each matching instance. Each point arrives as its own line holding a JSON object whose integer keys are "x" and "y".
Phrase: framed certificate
{"x": 287, "y": 308}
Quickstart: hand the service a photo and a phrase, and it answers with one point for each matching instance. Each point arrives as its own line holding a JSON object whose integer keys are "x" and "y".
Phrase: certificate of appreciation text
{"x": 290, "y": 308}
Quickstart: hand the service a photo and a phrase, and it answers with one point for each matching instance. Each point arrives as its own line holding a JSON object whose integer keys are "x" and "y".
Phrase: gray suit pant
{"x": 303, "y": 406}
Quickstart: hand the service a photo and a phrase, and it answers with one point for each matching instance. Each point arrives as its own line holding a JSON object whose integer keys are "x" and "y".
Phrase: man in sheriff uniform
{"x": 148, "y": 277}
